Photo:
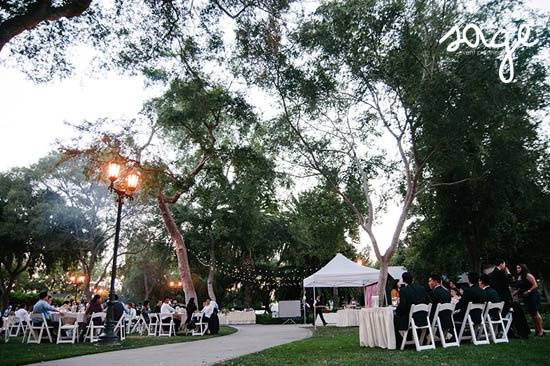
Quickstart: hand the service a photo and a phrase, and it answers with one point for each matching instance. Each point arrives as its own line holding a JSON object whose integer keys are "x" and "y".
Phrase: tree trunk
{"x": 211, "y": 272}
{"x": 382, "y": 280}
{"x": 146, "y": 288}
{"x": 7, "y": 291}
{"x": 250, "y": 268}
{"x": 181, "y": 251}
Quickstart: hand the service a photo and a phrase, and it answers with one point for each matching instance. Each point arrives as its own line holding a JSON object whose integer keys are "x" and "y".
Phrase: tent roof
{"x": 396, "y": 272}
{"x": 342, "y": 272}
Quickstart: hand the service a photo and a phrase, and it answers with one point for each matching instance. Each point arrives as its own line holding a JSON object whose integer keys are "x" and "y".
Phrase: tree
{"x": 194, "y": 119}
{"x": 490, "y": 135}
{"x": 33, "y": 229}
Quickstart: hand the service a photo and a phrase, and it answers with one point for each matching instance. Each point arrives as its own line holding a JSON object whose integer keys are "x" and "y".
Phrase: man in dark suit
{"x": 410, "y": 294}
{"x": 473, "y": 293}
{"x": 489, "y": 293}
{"x": 439, "y": 295}
{"x": 501, "y": 279}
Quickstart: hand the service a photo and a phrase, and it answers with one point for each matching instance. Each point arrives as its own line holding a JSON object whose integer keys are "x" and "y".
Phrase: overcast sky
{"x": 32, "y": 115}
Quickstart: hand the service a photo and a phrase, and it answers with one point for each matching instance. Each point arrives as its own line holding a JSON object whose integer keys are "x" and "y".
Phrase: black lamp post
{"x": 123, "y": 189}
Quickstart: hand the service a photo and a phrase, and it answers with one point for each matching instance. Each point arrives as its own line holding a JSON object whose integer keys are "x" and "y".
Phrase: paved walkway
{"x": 248, "y": 339}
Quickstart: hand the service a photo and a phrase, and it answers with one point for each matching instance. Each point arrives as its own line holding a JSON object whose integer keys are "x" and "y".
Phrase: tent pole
{"x": 305, "y": 305}
{"x": 314, "y": 309}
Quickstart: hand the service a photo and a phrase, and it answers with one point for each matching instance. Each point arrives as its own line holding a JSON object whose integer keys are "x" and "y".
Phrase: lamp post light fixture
{"x": 124, "y": 187}
{"x": 76, "y": 281}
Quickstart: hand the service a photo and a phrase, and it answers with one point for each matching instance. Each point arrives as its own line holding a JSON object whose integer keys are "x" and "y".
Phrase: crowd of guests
{"x": 495, "y": 287}
{"x": 44, "y": 305}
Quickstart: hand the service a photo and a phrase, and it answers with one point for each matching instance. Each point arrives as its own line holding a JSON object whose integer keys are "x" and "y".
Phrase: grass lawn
{"x": 16, "y": 353}
{"x": 340, "y": 346}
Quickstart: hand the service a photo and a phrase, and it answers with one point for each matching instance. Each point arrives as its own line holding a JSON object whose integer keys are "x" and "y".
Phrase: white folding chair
{"x": 68, "y": 325}
{"x": 16, "y": 326}
{"x": 477, "y": 331}
{"x": 200, "y": 327}
{"x": 12, "y": 325}
{"x": 94, "y": 330}
{"x": 120, "y": 328}
{"x": 162, "y": 332}
{"x": 493, "y": 318}
{"x": 418, "y": 342}
{"x": 153, "y": 326}
{"x": 140, "y": 325}
{"x": 37, "y": 327}
{"x": 438, "y": 328}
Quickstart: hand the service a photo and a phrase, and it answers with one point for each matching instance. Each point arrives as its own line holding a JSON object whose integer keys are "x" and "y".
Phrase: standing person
{"x": 319, "y": 305}
{"x": 501, "y": 279}
{"x": 527, "y": 288}
{"x": 213, "y": 320}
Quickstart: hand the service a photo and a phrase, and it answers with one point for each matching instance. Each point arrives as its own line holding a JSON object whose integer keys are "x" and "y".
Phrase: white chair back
{"x": 477, "y": 330}
{"x": 438, "y": 325}
{"x": 495, "y": 322}
{"x": 37, "y": 327}
{"x": 417, "y": 340}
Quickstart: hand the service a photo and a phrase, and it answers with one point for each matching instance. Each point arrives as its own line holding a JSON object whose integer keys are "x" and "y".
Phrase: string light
{"x": 257, "y": 274}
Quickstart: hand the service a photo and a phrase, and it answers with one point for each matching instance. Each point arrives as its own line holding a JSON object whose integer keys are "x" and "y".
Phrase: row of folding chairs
{"x": 481, "y": 324}
{"x": 163, "y": 325}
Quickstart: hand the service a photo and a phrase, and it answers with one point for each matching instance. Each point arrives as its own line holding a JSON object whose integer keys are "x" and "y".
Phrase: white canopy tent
{"x": 340, "y": 272}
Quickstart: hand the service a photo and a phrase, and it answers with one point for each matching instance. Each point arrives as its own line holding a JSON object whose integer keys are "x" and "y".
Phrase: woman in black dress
{"x": 190, "y": 308}
{"x": 527, "y": 288}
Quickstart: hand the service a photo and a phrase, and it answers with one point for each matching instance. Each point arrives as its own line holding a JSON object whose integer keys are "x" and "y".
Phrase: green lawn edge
{"x": 16, "y": 353}
{"x": 340, "y": 346}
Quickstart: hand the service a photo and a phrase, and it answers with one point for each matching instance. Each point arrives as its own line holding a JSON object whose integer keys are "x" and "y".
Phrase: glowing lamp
{"x": 81, "y": 278}
{"x": 132, "y": 181}
{"x": 113, "y": 170}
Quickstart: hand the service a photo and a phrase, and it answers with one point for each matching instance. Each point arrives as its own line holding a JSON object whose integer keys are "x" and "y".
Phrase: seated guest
{"x": 473, "y": 294}
{"x": 190, "y": 308}
{"x": 43, "y": 306}
{"x": 157, "y": 307}
{"x": 119, "y": 308}
{"x": 489, "y": 293}
{"x": 94, "y": 307}
{"x": 165, "y": 309}
{"x": 131, "y": 311}
{"x": 145, "y": 310}
{"x": 22, "y": 314}
{"x": 455, "y": 296}
{"x": 395, "y": 293}
{"x": 409, "y": 294}
{"x": 439, "y": 295}
{"x": 66, "y": 306}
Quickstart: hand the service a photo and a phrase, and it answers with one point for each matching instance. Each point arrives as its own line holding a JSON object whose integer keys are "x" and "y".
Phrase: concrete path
{"x": 248, "y": 339}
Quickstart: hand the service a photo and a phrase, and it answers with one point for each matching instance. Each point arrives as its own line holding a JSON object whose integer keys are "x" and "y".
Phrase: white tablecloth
{"x": 79, "y": 316}
{"x": 347, "y": 318}
{"x": 376, "y": 328}
{"x": 238, "y": 317}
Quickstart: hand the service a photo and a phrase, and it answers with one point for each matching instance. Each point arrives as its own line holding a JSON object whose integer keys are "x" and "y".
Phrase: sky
{"x": 33, "y": 116}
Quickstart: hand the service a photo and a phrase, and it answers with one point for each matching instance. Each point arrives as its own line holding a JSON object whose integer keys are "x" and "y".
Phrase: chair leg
{"x": 403, "y": 342}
